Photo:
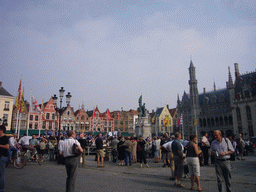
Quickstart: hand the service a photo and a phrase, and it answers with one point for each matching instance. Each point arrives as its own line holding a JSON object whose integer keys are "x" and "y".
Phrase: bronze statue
{"x": 142, "y": 108}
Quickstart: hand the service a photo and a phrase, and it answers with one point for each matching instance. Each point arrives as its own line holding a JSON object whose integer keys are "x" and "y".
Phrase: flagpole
{"x": 19, "y": 127}
{"x": 30, "y": 105}
{"x": 17, "y": 121}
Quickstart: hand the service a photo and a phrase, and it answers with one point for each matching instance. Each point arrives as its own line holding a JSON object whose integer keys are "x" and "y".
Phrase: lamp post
{"x": 60, "y": 109}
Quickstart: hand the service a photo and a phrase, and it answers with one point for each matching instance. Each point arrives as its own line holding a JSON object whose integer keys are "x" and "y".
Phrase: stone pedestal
{"x": 143, "y": 127}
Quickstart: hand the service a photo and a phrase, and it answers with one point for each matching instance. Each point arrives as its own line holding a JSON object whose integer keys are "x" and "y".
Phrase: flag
{"x": 180, "y": 121}
{"x": 93, "y": 115}
{"x": 79, "y": 112}
{"x": 166, "y": 121}
{"x": 195, "y": 121}
{"x": 35, "y": 107}
{"x": 153, "y": 120}
{"x": 18, "y": 98}
{"x": 43, "y": 117}
{"x": 22, "y": 101}
{"x": 108, "y": 113}
{"x": 118, "y": 114}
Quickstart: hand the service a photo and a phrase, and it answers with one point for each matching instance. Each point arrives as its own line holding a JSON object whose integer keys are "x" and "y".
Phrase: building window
{"x": 56, "y": 125}
{"x": 31, "y": 117}
{"x": 208, "y": 122}
{"x": 247, "y": 93}
{"x": 36, "y": 118}
{"x": 36, "y": 125}
{"x": 221, "y": 121}
{"x": 5, "y": 116}
{"x": 248, "y": 113}
{"x": 82, "y": 117}
{"x": 68, "y": 113}
{"x": 230, "y": 119}
{"x": 204, "y": 122}
{"x": 50, "y": 125}
{"x": 250, "y": 129}
{"x": 226, "y": 120}
{"x": 44, "y": 125}
{"x": 238, "y": 114}
{"x": 6, "y": 105}
{"x": 53, "y": 116}
{"x": 217, "y": 121}
{"x": 47, "y": 115}
{"x": 212, "y": 122}
{"x": 30, "y": 125}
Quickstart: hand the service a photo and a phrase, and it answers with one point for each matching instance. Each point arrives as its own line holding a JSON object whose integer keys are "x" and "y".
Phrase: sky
{"x": 107, "y": 53}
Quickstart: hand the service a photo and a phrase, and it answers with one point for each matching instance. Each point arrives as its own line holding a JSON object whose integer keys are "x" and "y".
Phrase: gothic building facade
{"x": 231, "y": 110}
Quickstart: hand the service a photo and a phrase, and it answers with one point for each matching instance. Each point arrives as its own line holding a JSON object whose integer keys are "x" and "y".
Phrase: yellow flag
{"x": 22, "y": 101}
{"x": 166, "y": 121}
{"x": 195, "y": 121}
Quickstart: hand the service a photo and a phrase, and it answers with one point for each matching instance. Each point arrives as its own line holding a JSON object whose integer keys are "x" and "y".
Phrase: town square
{"x": 108, "y": 95}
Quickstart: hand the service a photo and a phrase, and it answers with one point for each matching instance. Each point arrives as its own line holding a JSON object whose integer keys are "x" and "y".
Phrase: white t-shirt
{"x": 168, "y": 145}
{"x": 205, "y": 140}
{"x": 25, "y": 140}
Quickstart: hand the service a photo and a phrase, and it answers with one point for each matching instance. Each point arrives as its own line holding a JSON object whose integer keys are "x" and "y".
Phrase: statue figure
{"x": 142, "y": 108}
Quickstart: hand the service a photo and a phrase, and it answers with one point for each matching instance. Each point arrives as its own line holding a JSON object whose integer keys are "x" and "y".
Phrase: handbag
{"x": 76, "y": 150}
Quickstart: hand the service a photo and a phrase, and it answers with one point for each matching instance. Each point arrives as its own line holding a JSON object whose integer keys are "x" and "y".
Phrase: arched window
{"x": 248, "y": 113}
{"x": 204, "y": 122}
{"x": 201, "y": 122}
{"x": 221, "y": 121}
{"x": 208, "y": 122}
{"x": 230, "y": 119}
{"x": 238, "y": 114}
{"x": 212, "y": 122}
{"x": 217, "y": 121}
{"x": 82, "y": 117}
{"x": 226, "y": 120}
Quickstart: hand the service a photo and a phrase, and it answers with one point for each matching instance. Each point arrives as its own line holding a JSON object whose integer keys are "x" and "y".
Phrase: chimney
{"x": 204, "y": 90}
{"x": 0, "y": 83}
{"x": 237, "y": 74}
{"x": 168, "y": 107}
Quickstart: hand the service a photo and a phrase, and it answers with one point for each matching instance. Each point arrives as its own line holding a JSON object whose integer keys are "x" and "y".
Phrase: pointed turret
{"x": 237, "y": 74}
{"x": 229, "y": 83}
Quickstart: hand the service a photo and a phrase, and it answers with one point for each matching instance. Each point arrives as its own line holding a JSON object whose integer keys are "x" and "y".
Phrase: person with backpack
{"x": 221, "y": 149}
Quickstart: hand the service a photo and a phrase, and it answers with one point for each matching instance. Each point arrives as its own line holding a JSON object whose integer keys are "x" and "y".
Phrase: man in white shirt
{"x": 168, "y": 147}
{"x": 12, "y": 149}
{"x": 205, "y": 148}
{"x": 71, "y": 160}
{"x": 24, "y": 141}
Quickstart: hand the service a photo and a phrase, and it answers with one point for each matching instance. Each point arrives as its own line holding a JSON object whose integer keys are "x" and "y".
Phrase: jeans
{"x": 51, "y": 152}
{"x": 11, "y": 151}
{"x": 2, "y": 174}
{"x": 128, "y": 157}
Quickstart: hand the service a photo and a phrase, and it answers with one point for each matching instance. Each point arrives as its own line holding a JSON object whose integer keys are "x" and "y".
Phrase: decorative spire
{"x": 191, "y": 63}
{"x": 178, "y": 100}
{"x": 214, "y": 86}
{"x": 229, "y": 76}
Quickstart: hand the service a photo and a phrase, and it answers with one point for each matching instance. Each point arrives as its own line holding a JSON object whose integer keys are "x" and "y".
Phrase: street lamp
{"x": 60, "y": 110}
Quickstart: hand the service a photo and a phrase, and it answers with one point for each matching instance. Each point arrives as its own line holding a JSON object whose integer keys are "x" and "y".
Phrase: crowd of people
{"x": 126, "y": 151}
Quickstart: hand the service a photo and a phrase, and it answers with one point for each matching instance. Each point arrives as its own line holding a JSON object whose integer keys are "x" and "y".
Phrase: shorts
{"x": 156, "y": 153}
{"x": 42, "y": 151}
{"x": 179, "y": 166}
{"x": 100, "y": 153}
{"x": 165, "y": 156}
{"x": 193, "y": 166}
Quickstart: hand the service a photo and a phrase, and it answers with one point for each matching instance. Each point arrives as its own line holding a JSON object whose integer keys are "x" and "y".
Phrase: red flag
{"x": 93, "y": 115}
{"x": 108, "y": 113}
{"x": 118, "y": 114}
{"x": 43, "y": 118}
{"x": 79, "y": 112}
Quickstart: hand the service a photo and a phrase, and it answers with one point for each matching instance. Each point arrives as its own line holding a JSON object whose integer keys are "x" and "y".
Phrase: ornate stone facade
{"x": 220, "y": 109}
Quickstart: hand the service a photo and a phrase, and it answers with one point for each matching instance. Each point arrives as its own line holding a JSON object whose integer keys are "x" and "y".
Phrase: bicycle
{"x": 23, "y": 157}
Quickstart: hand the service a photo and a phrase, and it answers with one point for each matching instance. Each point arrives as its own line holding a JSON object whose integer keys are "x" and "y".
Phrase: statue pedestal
{"x": 143, "y": 127}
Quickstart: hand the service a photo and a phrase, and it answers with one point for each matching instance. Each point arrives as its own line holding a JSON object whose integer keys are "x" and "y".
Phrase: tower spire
{"x": 214, "y": 86}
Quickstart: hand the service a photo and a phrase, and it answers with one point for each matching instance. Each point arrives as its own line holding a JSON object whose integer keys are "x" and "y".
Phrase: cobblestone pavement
{"x": 52, "y": 177}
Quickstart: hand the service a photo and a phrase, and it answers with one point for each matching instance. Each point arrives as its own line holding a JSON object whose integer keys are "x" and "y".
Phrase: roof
{"x": 214, "y": 97}
{"x": 4, "y": 92}
{"x": 172, "y": 111}
{"x": 159, "y": 111}
{"x": 246, "y": 82}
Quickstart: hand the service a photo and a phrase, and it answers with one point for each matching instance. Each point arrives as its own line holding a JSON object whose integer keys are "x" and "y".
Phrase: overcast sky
{"x": 109, "y": 52}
